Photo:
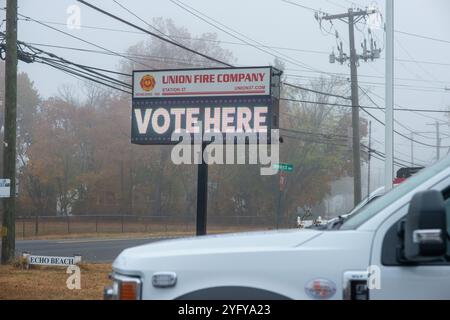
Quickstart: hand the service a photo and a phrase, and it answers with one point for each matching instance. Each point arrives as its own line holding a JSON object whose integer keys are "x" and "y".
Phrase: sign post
{"x": 202, "y": 196}
{"x": 194, "y": 103}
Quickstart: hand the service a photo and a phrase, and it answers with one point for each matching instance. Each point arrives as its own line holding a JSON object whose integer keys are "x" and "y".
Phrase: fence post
{"x": 36, "y": 225}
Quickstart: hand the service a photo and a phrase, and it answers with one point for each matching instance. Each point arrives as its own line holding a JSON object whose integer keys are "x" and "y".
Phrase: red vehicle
{"x": 405, "y": 173}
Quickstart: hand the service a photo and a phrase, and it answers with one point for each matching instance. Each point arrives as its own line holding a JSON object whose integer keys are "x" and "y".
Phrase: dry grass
{"x": 49, "y": 283}
{"x": 128, "y": 235}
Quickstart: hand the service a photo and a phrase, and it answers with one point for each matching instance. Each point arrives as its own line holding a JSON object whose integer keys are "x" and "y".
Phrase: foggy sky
{"x": 273, "y": 23}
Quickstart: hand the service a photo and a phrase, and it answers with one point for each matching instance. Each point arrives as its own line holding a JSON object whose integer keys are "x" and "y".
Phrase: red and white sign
{"x": 202, "y": 83}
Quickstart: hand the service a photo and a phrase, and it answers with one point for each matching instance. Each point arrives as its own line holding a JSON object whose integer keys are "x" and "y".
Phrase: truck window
{"x": 375, "y": 207}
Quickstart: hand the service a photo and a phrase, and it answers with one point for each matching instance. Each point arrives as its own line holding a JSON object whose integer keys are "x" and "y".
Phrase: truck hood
{"x": 227, "y": 243}
{"x": 284, "y": 262}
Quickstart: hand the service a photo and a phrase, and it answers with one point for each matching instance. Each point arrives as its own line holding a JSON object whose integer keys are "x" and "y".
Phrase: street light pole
{"x": 389, "y": 133}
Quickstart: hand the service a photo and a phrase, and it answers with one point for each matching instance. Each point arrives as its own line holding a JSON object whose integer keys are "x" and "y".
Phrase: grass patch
{"x": 49, "y": 283}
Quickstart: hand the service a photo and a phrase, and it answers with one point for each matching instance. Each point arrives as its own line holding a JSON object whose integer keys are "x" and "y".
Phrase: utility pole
{"x": 352, "y": 18}
{"x": 412, "y": 149}
{"x": 438, "y": 139}
{"x": 9, "y": 151}
{"x": 389, "y": 92}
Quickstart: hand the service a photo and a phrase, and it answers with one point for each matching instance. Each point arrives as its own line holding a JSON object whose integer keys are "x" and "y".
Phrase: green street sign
{"x": 284, "y": 167}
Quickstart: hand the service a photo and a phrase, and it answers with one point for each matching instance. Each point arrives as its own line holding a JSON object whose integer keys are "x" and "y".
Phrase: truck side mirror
{"x": 425, "y": 228}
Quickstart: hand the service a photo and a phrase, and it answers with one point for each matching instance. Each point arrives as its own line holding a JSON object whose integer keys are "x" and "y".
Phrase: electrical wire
{"x": 315, "y": 91}
{"x": 83, "y": 40}
{"x": 233, "y": 33}
{"x": 155, "y": 35}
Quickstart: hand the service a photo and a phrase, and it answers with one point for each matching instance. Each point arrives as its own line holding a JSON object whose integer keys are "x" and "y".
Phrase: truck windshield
{"x": 371, "y": 209}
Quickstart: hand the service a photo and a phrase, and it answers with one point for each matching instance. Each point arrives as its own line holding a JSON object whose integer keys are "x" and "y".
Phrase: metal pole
{"x": 355, "y": 112}
{"x": 277, "y": 219}
{"x": 438, "y": 139}
{"x": 438, "y": 142}
{"x": 389, "y": 133}
{"x": 202, "y": 194}
{"x": 9, "y": 150}
{"x": 368, "y": 160}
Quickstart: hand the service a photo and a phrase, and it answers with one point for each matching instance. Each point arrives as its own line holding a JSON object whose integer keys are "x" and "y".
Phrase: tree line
{"x": 75, "y": 155}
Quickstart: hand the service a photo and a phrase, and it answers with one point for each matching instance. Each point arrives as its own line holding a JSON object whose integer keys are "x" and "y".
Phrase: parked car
{"x": 393, "y": 248}
{"x": 330, "y": 224}
{"x": 402, "y": 175}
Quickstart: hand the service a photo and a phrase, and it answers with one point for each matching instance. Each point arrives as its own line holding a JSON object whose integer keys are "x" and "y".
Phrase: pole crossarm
{"x": 359, "y": 13}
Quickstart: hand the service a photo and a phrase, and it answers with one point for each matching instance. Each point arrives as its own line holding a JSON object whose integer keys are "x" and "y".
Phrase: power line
{"x": 401, "y": 134}
{"x": 64, "y": 62}
{"x": 79, "y": 74}
{"x": 419, "y": 114}
{"x": 58, "y": 65}
{"x": 220, "y": 26}
{"x": 325, "y": 135}
{"x": 142, "y": 20}
{"x": 140, "y": 56}
{"x": 322, "y": 103}
{"x": 367, "y": 112}
{"x": 191, "y": 63}
{"x": 342, "y": 75}
{"x": 315, "y": 91}
{"x": 398, "y": 85}
{"x": 396, "y": 31}
{"x": 59, "y": 60}
{"x": 422, "y": 36}
{"x": 402, "y": 153}
{"x": 83, "y": 40}
{"x": 438, "y": 63}
{"x": 190, "y": 38}
{"x": 351, "y": 106}
{"x": 80, "y": 70}
{"x": 396, "y": 121}
{"x": 411, "y": 34}
{"x": 335, "y": 142}
{"x": 154, "y": 34}
{"x": 303, "y": 6}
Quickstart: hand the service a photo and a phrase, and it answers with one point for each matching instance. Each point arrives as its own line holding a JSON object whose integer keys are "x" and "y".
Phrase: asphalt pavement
{"x": 91, "y": 250}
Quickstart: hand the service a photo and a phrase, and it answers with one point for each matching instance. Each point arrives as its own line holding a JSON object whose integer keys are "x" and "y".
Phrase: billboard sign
{"x": 202, "y": 83}
{"x": 200, "y": 101}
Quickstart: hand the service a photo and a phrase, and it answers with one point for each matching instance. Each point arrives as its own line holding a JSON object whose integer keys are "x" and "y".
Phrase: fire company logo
{"x": 148, "y": 83}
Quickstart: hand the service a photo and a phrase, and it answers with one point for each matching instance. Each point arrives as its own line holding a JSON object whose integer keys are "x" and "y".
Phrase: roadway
{"x": 91, "y": 250}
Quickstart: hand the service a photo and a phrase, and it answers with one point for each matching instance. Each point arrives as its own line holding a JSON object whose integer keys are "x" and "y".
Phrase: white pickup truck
{"x": 393, "y": 248}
